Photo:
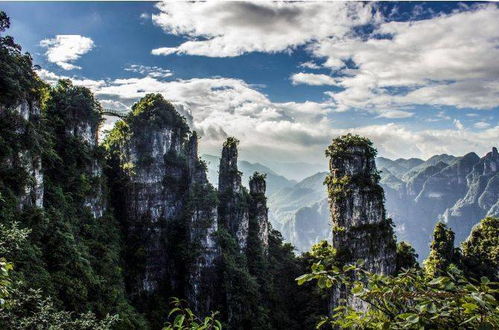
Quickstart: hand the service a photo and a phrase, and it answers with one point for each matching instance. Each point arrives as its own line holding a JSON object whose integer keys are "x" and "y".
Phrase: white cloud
{"x": 151, "y": 71}
{"x": 52, "y": 79}
{"x": 310, "y": 65}
{"x": 446, "y": 60}
{"x": 395, "y": 141}
{"x": 458, "y": 124}
{"x": 65, "y": 49}
{"x": 395, "y": 114}
{"x": 481, "y": 125}
{"x": 312, "y": 79}
{"x": 221, "y": 107}
{"x": 224, "y": 28}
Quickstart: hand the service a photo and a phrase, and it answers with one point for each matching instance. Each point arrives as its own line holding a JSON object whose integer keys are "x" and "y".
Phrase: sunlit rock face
{"x": 481, "y": 199}
{"x": 233, "y": 213}
{"x": 30, "y": 159}
{"x": 202, "y": 227}
{"x": 258, "y": 211}
{"x": 165, "y": 204}
{"x": 360, "y": 227}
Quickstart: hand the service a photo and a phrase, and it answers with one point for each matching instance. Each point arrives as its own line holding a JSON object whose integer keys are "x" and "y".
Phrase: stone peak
{"x": 257, "y": 183}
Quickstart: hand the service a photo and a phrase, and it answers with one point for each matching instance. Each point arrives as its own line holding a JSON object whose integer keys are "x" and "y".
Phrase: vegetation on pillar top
{"x": 231, "y": 142}
{"x": 18, "y": 80}
{"x": 480, "y": 252}
{"x": 441, "y": 251}
{"x": 257, "y": 176}
{"x": 340, "y": 146}
{"x": 157, "y": 111}
{"x": 72, "y": 104}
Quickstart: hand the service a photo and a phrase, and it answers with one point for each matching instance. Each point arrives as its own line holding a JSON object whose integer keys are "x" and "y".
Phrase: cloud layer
{"x": 448, "y": 60}
{"x": 65, "y": 49}
{"x": 225, "y": 28}
{"x": 285, "y": 131}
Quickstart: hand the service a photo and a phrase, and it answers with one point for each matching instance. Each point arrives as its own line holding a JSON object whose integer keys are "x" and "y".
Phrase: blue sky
{"x": 285, "y": 78}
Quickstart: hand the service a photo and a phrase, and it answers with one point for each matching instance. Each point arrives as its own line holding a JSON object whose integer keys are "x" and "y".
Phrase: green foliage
{"x": 157, "y": 112}
{"x": 409, "y": 300}
{"x": 442, "y": 251}
{"x": 480, "y": 252}
{"x": 18, "y": 81}
{"x": 342, "y": 145}
{"x": 231, "y": 142}
{"x": 28, "y": 309}
{"x": 406, "y": 257}
{"x": 183, "y": 318}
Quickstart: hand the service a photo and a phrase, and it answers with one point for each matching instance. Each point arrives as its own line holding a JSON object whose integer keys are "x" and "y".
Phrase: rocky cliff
{"x": 24, "y": 120}
{"x": 481, "y": 198}
{"x": 166, "y": 205}
{"x": 258, "y": 211}
{"x": 233, "y": 209}
{"x": 360, "y": 227}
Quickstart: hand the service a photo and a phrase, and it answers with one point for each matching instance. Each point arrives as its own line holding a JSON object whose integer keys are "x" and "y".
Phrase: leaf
{"x": 413, "y": 318}
{"x": 469, "y": 307}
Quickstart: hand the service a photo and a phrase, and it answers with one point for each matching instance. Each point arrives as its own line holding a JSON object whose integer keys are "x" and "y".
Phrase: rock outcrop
{"x": 203, "y": 216}
{"x": 258, "y": 211}
{"x": 30, "y": 158}
{"x": 233, "y": 212}
{"x": 360, "y": 227}
{"x": 481, "y": 198}
{"x": 165, "y": 203}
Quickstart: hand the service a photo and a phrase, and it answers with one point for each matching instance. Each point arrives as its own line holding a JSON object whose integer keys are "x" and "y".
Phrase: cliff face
{"x": 30, "y": 158}
{"x": 166, "y": 205}
{"x": 360, "y": 227}
{"x": 233, "y": 210}
{"x": 258, "y": 211}
{"x": 203, "y": 216}
{"x": 481, "y": 199}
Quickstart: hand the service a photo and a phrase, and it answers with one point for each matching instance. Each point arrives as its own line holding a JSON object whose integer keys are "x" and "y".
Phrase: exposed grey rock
{"x": 29, "y": 160}
{"x": 481, "y": 196}
{"x": 203, "y": 225}
{"x": 360, "y": 227}
{"x": 258, "y": 211}
{"x": 233, "y": 208}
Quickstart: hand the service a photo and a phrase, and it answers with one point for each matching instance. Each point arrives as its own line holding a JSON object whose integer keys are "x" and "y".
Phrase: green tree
{"x": 409, "y": 300}
{"x": 480, "y": 252}
{"x": 442, "y": 251}
{"x": 406, "y": 257}
{"x": 183, "y": 318}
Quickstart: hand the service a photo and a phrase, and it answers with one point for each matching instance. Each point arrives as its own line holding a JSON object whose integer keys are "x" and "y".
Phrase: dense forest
{"x": 128, "y": 233}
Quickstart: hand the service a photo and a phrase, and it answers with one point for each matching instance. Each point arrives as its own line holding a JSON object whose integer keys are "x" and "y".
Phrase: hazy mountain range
{"x": 456, "y": 190}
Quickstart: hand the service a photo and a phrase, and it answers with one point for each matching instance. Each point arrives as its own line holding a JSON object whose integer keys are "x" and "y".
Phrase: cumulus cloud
{"x": 52, "y": 78}
{"x": 458, "y": 124}
{"x": 481, "y": 125}
{"x": 312, "y": 79}
{"x": 395, "y": 114}
{"x": 395, "y": 141}
{"x": 151, "y": 71}
{"x": 310, "y": 65}
{"x": 225, "y": 28}
{"x": 65, "y": 49}
{"x": 279, "y": 131}
{"x": 445, "y": 60}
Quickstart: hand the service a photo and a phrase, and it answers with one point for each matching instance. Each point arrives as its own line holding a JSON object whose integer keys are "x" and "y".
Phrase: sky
{"x": 419, "y": 79}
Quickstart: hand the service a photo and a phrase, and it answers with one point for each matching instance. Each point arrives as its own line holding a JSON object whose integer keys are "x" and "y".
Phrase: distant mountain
{"x": 297, "y": 170}
{"x": 287, "y": 201}
{"x": 275, "y": 181}
{"x": 457, "y": 190}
